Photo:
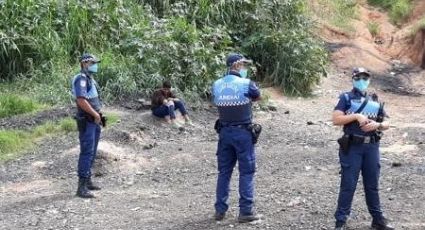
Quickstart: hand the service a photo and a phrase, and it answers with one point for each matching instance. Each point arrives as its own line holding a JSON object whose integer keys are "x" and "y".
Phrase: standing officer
{"x": 89, "y": 119}
{"x": 362, "y": 116}
{"x": 233, "y": 95}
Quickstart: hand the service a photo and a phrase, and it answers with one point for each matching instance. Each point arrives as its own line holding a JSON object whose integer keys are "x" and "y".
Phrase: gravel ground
{"x": 155, "y": 177}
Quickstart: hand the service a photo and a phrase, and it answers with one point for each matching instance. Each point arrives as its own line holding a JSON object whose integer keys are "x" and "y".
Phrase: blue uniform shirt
{"x": 84, "y": 86}
{"x": 233, "y": 96}
{"x": 350, "y": 102}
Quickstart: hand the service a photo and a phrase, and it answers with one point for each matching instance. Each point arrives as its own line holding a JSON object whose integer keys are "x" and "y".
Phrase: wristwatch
{"x": 380, "y": 126}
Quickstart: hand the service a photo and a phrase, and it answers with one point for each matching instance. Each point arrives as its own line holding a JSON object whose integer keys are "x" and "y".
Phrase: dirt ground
{"x": 154, "y": 177}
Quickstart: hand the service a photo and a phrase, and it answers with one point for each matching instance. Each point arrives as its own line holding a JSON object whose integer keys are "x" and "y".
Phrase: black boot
{"x": 91, "y": 186}
{"x": 248, "y": 218}
{"x": 83, "y": 191}
{"x": 219, "y": 216}
{"x": 381, "y": 224}
{"x": 339, "y": 225}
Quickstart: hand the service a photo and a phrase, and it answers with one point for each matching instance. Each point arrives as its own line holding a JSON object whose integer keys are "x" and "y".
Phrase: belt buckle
{"x": 367, "y": 139}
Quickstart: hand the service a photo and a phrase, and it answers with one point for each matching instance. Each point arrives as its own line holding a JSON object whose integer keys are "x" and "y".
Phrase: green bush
{"x": 142, "y": 43}
{"x": 11, "y": 104}
{"x": 399, "y": 10}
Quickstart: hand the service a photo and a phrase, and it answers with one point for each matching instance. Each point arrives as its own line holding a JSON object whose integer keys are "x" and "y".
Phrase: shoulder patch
{"x": 83, "y": 83}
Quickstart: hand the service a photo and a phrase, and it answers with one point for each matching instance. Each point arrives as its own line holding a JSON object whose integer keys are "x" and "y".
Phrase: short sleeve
{"x": 382, "y": 112}
{"x": 253, "y": 90}
{"x": 342, "y": 104}
{"x": 80, "y": 86}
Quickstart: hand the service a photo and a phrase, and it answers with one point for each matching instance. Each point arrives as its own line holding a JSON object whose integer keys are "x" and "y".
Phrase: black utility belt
{"x": 89, "y": 118}
{"x": 349, "y": 139}
{"x": 242, "y": 126}
{"x": 359, "y": 139}
{"x": 254, "y": 129}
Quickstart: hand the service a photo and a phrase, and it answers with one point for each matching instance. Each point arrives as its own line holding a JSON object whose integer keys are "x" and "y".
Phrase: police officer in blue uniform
{"x": 233, "y": 95}
{"x": 89, "y": 119}
{"x": 362, "y": 116}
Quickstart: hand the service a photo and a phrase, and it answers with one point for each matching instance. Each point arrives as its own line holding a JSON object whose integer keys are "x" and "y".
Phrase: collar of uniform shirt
{"x": 233, "y": 72}
{"x": 85, "y": 72}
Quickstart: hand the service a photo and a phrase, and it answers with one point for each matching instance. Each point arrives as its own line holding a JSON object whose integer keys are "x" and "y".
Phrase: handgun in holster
{"x": 255, "y": 131}
{"x": 103, "y": 119}
{"x": 344, "y": 143}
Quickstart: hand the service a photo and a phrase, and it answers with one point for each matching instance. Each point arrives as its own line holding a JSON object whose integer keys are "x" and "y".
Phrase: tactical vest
{"x": 92, "y": 93}
{"x": 371, "y": 110}
{"x": 230, "y": 98}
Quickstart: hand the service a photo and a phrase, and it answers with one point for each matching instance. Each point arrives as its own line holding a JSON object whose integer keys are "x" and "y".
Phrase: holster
{"x": 344, "y": 143}
{"x": 103, "y": 119}
{"x": 82, "y": 121}
{"x": 255, "y": 130}
{"x": 217, "y": 126}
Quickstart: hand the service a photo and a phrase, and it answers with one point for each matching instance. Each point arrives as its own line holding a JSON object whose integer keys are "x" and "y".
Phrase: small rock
{"x": 148, "y": 146}
{"x": 39, "y": 164}
{"x": 310, "y": 123}
{"x": 395, "y": 164}
{"x": 272, "y": 107}
{"x": 286, "y": 112}
{"x": 135, "y": 209}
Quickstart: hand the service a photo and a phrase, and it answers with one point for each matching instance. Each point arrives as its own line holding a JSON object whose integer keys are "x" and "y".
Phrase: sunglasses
{"x": 363, "y": 77}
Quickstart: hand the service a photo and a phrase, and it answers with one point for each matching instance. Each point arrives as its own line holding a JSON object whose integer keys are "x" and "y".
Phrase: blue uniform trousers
{"x": 89, "y": 139}
{"x": 164, "y": 110}
{"x": 235, "y": 144}
{"x": 364, "y": 158}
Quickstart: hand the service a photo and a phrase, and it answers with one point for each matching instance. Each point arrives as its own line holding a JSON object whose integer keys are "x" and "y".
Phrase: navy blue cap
{"x": 89, "y": 57}
{"x": 360, "y": 70}
{"x": 234, "y": 58}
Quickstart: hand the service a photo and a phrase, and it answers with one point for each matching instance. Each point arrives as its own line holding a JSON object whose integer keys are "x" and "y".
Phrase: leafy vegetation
{"x": 141, "y": 43}
{"x": 338, "y": 13}
{"x": 399, "y": 10}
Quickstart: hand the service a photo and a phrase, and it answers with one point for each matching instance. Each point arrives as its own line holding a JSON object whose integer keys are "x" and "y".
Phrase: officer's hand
{"x": 371, "y": 126}
{"x": 362, "y": 119}
{"x": 176, "y": 99}
{"x": 97, "y": 119}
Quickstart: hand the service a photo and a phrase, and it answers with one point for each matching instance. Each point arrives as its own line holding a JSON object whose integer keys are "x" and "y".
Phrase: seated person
{"x": 164, "y": 103}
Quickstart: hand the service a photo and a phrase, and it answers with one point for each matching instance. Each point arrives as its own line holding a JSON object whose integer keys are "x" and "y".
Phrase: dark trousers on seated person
{"x": 164, "y": 110}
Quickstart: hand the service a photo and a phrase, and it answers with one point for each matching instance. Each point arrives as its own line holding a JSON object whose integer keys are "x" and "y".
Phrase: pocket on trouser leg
{"x": 247, "y": 166}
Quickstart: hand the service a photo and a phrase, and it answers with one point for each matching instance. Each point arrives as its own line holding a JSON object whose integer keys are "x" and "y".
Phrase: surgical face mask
{"x": 93, "y": 68}
{"x": 243, "y": 73}
{"x": 361, "y": 84}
